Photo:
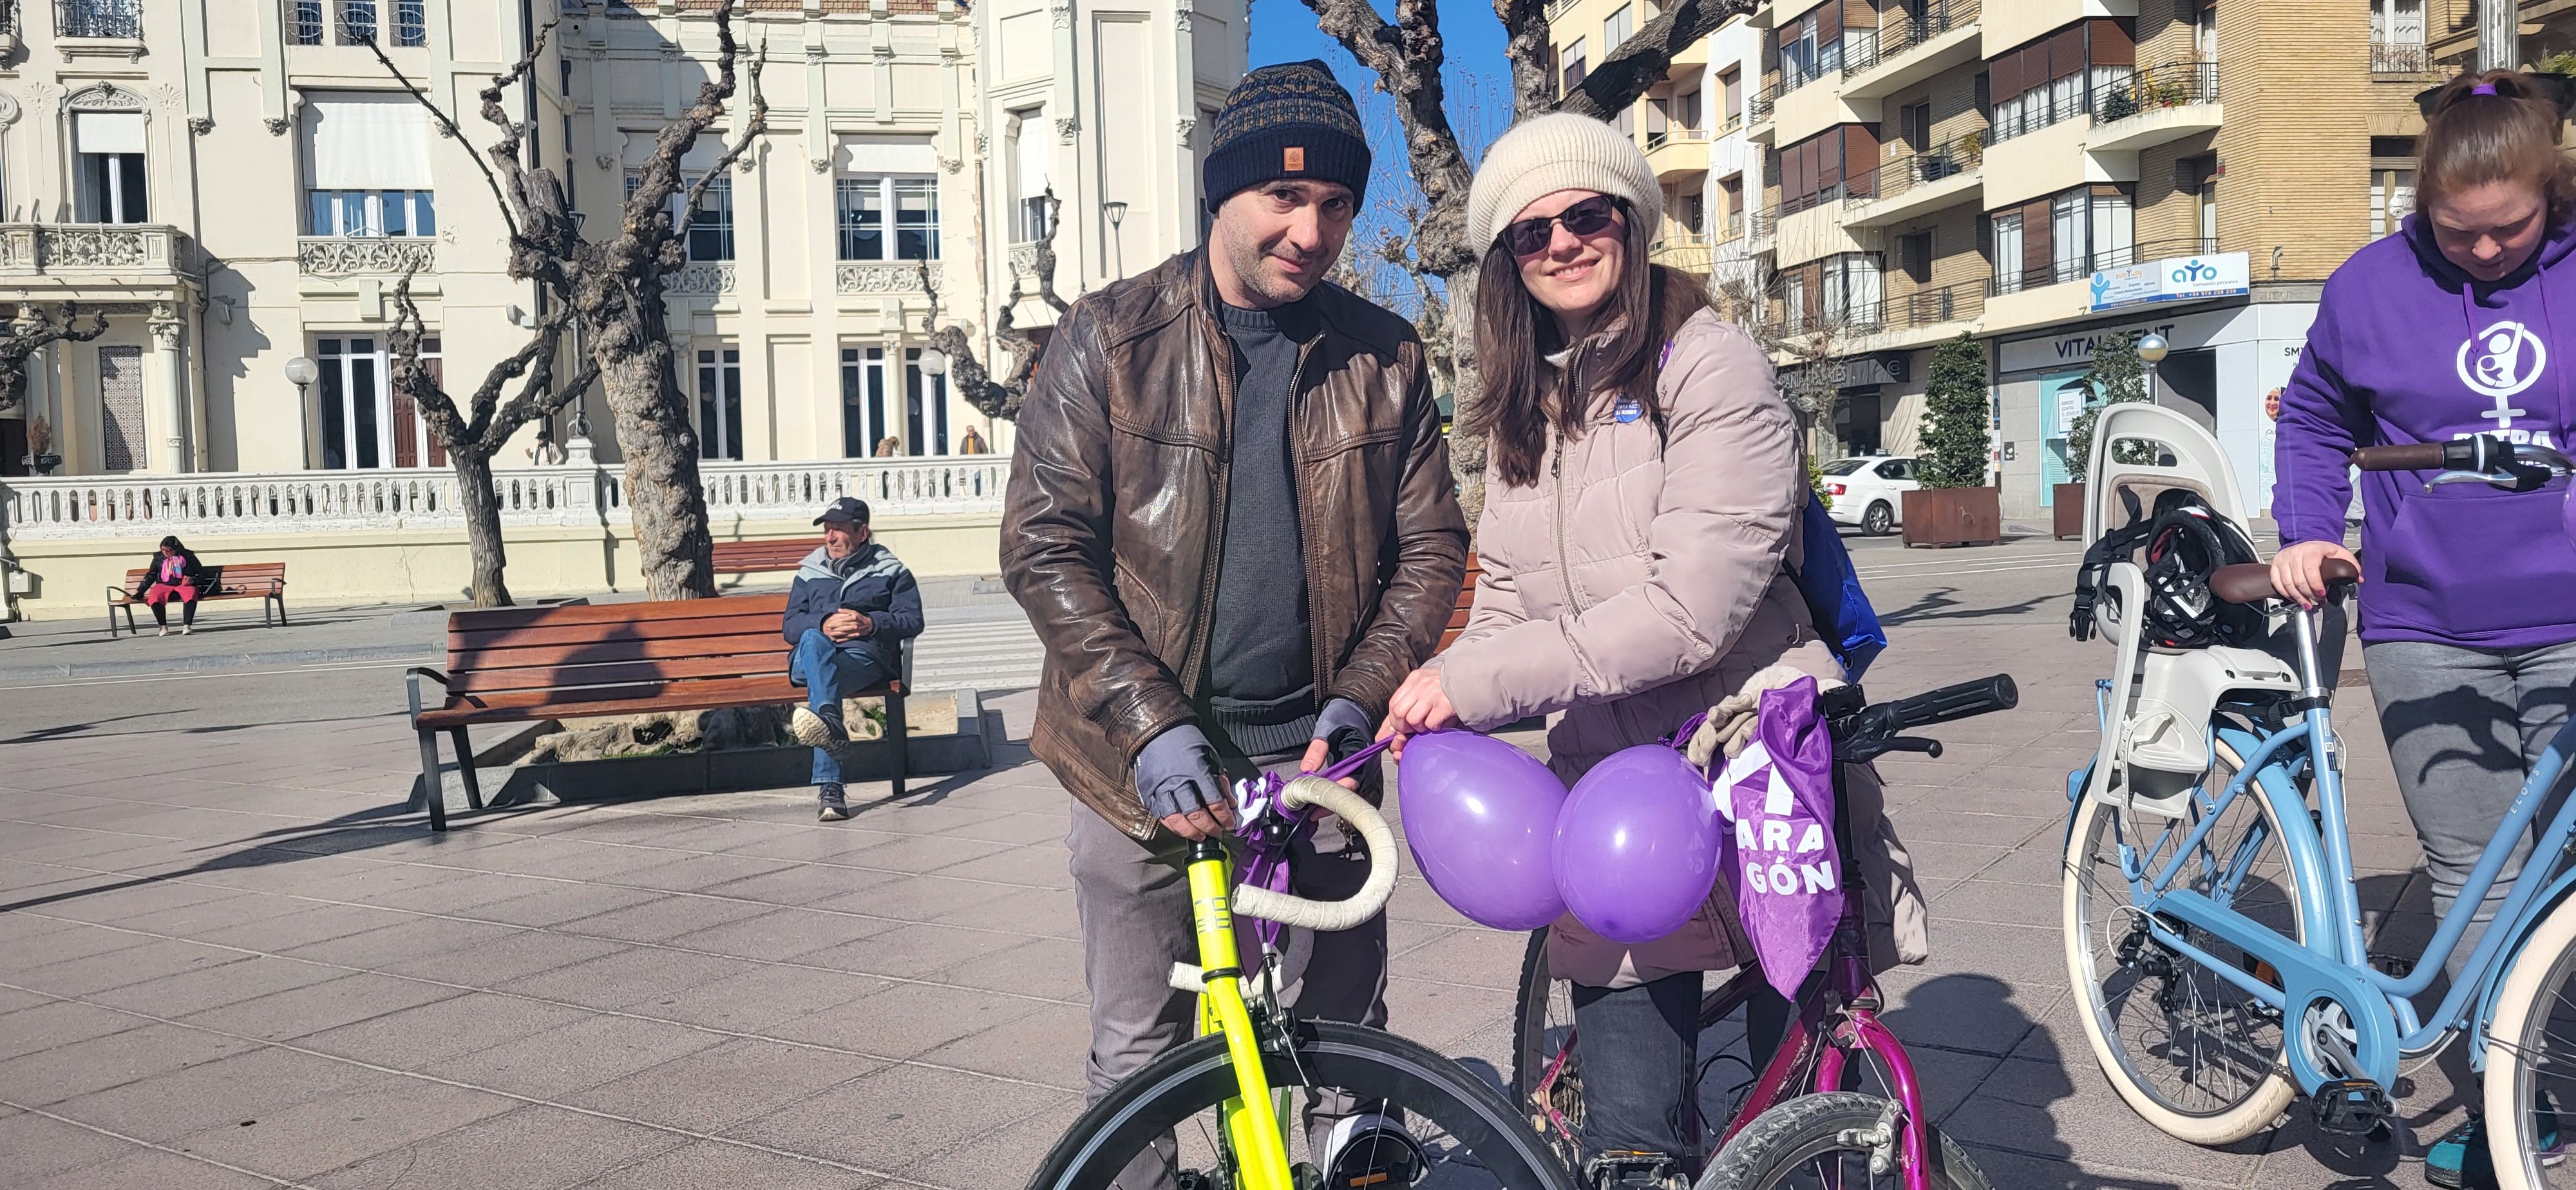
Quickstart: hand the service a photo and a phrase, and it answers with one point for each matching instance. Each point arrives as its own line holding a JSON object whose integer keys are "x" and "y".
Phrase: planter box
{"x": 2067, "y": 501}
{"x": 1954, "y": 516}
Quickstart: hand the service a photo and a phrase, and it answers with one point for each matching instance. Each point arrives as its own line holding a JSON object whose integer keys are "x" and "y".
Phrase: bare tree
{"x": 1407, "y": 54}
{"x": 612, "y": 287}
{"x": 1818, "y": 341}
{"x": 990, "y": 397}
{"x": 472, "y": 435}
{"x": 21, "y": 338}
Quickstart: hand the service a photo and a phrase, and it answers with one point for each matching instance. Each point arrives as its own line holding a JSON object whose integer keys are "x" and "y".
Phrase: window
{"x": 1851, "y": 289}
{"x": 925, "y": 404}
{"x": 112, "y": 186}
{"x": 863, "y": 402}
{"x": 1730, "y": 95}
{"x": 1730, "y": 196}
{"x": 305, "y": 21}
{"x": 2392, "y": 196}
{"x": 1916, "y": 121}
{"x": 1686, "y": 110}
{"x": 411, "y": 28}
{"x": 363, "y": 424}
{"x": 1572, "y": 56}
{"x": 1794, "y": 296}
{"x": 357, "y": 22}
{"x": 2055, "y": 77}
{"x": 98, "y": 18}
{"x": 370, "y": 213}
{"x": 720, "y": 403}
{"x": 1896, "y": 469}
{"x": 864, "y": 203}
{"x": 1615, "y": 31}
{"x": 1821, "y": 167}
{"x": 2007, "y": 238}
{"x": 366, "y": 166}
{"x": 711, "y": 229}
{"x": 1030, "y": 182}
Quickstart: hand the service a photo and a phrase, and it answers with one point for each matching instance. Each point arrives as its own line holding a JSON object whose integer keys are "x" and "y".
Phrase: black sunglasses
{"x": 1591, "y": 217}
{"x": 2558, "y": 89}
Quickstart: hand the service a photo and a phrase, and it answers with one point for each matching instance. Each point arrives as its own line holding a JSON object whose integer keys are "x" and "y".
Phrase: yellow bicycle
{"x": 1212, "y": 1114}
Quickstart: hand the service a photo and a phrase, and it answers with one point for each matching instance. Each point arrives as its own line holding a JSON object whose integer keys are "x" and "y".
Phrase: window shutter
{"x": 2112, "y": 43}
{"x": 1829, "y": 22}
{"x": 367, "y": 142}
{"x": 2003, "y": 77}
{"x": 2038, "y": 248}
{"x": 108, "y": 132}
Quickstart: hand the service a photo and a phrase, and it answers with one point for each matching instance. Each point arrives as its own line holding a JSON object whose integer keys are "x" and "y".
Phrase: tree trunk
{"x": 662, "y": 489}
{"x": 1466, "y": 394}
{"x": 482, "y": 507}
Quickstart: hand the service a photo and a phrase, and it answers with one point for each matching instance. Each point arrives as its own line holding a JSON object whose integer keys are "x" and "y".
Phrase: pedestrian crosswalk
{"x": 984, "y": 655}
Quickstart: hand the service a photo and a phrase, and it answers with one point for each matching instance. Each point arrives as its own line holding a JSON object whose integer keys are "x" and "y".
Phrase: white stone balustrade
{"x": 340, "y": 501}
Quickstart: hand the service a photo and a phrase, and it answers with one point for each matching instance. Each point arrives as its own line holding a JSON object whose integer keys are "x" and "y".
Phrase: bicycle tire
{"x": 2533, "y": 1008}
{"x": 1784, "y": 1141}
{"x": 1533, "y": 1053}
{"x": 2253, "y": 1041}
{"x": 1196, "y": 1077}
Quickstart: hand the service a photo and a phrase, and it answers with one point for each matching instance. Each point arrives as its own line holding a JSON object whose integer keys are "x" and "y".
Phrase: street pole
{"x": 2499, "y": 43}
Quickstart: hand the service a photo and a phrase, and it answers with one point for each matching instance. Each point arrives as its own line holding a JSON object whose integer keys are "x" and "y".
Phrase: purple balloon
{"x": 1637, "y": 845}
{"x": 1480, "y": 816}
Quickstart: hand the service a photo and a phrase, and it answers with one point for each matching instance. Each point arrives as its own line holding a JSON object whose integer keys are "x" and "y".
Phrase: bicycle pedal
{"x": 2351, "y": 1106}
{"x": 1633, "y": 1171}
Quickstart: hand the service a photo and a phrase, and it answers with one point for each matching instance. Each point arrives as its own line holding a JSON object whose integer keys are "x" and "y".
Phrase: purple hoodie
{"x": 2406, "y": 348}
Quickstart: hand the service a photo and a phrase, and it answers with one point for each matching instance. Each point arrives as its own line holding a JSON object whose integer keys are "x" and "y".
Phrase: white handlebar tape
{"x": 1330, "y": 915}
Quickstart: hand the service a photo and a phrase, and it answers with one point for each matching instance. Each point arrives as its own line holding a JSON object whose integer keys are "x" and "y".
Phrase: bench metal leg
{"x": 465, "y": 768}
{"x": 434, "y": 789}
{"x": 899, "y": 728}
{"x": 280, "y": 601}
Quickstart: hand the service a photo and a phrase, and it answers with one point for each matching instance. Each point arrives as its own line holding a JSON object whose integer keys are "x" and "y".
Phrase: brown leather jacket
{"x": 1110, "y": 531}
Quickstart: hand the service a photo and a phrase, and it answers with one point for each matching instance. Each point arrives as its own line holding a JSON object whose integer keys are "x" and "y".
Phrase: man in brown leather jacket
{"x": 1231, "y": 520}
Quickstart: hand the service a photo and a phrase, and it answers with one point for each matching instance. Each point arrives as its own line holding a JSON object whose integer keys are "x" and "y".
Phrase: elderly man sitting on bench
{"x": 853, "y": 606}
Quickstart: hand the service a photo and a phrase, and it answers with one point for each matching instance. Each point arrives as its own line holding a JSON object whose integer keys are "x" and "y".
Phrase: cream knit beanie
{"x": 1561, "y": 151}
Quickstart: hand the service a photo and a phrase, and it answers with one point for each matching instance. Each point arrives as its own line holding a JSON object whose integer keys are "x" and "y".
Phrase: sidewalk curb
{"x": 220, "y": 661}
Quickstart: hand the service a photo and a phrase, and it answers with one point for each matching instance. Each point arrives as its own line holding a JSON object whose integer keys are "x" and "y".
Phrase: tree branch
{"x": 1525, "y": 45}
{"x": 448, "y": 126}
{"x": 1407, "y": 56}
{"x": 1640, "y": 62}
{"x": 32, "y": 330}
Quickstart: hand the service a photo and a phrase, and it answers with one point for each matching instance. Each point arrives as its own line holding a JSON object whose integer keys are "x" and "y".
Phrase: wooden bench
{"x": 524, "y": 665}
{"x": 1466, "y": 604}
{"x": 263, "y": 581}
{"x": 761, "y": 557}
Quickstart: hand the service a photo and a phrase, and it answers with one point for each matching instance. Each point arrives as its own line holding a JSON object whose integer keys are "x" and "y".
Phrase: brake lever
{"x": 1864, "y": 752}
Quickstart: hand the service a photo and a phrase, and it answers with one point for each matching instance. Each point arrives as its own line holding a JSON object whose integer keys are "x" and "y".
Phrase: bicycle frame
{"x": 1252, "y": 1125}
{"x": 2333, "y": 964}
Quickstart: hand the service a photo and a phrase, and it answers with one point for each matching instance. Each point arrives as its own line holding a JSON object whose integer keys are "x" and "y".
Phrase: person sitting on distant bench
{"x": 853, "y": 606}
{"x": 174, "y": 573}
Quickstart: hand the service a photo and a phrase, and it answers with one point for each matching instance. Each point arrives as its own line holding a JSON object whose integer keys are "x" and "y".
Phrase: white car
{"x": 1864, "y": 491}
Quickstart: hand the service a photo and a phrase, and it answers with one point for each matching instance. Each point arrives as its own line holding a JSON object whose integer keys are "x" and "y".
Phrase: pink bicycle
{"x": 1807, "y": 1122}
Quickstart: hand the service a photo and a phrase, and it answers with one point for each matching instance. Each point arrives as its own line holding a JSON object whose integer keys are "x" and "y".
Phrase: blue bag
{"x": 1834, "y": 599}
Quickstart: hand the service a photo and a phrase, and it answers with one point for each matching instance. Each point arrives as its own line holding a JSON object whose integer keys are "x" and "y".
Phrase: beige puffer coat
{"x": 1639, "y": 582}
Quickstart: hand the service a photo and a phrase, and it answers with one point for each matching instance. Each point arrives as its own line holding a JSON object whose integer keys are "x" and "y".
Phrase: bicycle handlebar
{"x": 1288, "y": 910}
{"x": 1948, "y": 703}
{"x": 2413, "y": 456}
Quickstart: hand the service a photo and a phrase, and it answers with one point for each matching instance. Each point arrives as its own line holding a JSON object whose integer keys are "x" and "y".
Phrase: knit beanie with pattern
{"x": 1292, "y": 120}
{"x": 1561, "y": 151}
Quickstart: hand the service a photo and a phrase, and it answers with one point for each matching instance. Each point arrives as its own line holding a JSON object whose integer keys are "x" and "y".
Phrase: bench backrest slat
{"x": 1466, "y": 605}
{"x": 229, "y": 575}
{"x": 577, "y": 649}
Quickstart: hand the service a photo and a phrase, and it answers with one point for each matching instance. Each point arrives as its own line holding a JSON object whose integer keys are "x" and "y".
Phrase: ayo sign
{"x": 2173, "y": 279}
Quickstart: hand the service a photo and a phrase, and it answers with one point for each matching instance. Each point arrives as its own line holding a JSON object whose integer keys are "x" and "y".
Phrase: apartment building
{"x": 240, "y": 185}
{"x": 2040, "y": 173}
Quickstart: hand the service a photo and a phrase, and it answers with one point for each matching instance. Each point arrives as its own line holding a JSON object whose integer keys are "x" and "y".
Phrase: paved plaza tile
{"x": 230, "y": 959}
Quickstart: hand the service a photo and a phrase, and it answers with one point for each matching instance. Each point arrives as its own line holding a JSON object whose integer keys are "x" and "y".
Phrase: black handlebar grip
{"x": 2413, "y": 456}
{"x": 1983, "y": 695}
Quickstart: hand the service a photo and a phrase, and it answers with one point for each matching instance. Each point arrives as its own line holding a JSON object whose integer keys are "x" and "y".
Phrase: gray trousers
{"x": 2464, "y": 726}
{"x": 1134, "y": 902}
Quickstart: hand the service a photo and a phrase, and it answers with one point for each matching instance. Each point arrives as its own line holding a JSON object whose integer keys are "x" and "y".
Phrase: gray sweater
{"x": 1261, "y": 668}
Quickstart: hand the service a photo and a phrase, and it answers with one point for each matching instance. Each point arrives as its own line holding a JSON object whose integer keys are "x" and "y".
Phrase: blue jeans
{"x": 831, "y": 669}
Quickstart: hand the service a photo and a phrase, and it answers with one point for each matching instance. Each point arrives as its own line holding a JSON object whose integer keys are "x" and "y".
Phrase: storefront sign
{"x": 2173, "y": 279}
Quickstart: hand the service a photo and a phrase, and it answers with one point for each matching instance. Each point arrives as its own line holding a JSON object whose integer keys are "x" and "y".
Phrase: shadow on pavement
{"x": 1942, "y": 604}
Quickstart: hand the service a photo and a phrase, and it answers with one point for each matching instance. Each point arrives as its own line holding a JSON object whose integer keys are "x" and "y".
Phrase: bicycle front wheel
{"x": 2531, "y": 1060}
{"x": 1828, "y": 1142}
{"x": 1467, "y": 1135}
{"x": 2190, "y": 1051}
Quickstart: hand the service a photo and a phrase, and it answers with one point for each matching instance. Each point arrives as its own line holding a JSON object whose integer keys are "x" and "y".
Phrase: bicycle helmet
{"x": 2183, "y": 546}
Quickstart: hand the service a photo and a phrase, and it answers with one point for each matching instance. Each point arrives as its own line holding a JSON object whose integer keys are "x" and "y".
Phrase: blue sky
{"x": 1478, "y": 77}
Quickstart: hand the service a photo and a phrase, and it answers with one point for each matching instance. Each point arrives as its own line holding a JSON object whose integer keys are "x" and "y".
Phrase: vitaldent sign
{"x": 2173, "y": 279}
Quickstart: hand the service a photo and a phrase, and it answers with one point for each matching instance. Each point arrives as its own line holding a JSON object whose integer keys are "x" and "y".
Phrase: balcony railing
{"x": 1657, "y": 140}
{"x": 1904, "y": 26}
{"x": 98, "y": 18}
{"x": 1732, "y": 228}
{"x": 1734, "y": 120}
{"x": 136, "y": 250}
{"x": 326, "y": 501}
{"x": 2081, "y": 266}
{"x": 2153, "y": 88}
{"x": 1948, "y": 159}
{"x": 2400, "y": 57}
{"x": 1932, "y": 307}
{"x": 368, "y": 256}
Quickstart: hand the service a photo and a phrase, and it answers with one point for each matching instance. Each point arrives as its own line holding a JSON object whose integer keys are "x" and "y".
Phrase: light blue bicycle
{"x": 2212, "y": 923}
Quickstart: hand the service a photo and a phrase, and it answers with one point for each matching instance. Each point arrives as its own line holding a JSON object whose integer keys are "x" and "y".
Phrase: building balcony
{"x": 1677, "y": 152}
{"x": 1685, "y": 250}
{"x": 2062, "y": 289}
{"x": 1910, "y": 48}
{"x": 1944, "y": 175}
{"x": 73, "y": 256}
{"x": 707, "y": 278}
{"x": 98, "y": 20}
{"x": 2400, "y": 57}
{"x": 1812, "y": 227}
{"x": 2153, "y": 106}
{"x": 378, "y": 256}
{"x": 885, "y": 276}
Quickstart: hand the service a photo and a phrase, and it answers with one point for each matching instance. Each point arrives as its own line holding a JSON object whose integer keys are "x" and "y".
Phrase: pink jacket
{"x": 1639, "y": 582}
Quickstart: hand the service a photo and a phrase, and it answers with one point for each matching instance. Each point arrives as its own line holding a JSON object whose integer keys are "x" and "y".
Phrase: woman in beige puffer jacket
{"x": 1633, "y": 548}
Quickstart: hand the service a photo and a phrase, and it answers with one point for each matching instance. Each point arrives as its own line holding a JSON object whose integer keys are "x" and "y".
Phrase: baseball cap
{"x": 847, "y": 508}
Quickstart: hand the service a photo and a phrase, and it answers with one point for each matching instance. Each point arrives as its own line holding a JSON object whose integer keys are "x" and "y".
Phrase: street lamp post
{"x": 2152, "y": 350}
{"x": 301, "y": 373}
{"x": 1117, "y": 215}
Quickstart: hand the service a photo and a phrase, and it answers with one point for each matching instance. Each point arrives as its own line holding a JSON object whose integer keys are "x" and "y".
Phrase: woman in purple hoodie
{"x": 2463, "y": 323}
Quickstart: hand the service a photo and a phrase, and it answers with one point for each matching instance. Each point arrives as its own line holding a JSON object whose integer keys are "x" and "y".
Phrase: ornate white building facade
{"x": 238, "y": 184}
